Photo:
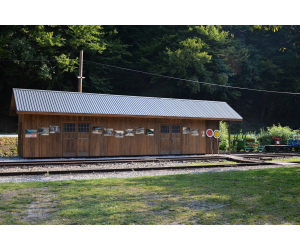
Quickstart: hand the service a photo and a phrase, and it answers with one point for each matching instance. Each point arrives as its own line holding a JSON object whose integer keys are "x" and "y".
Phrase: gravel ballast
{"x": 129, "y": 174}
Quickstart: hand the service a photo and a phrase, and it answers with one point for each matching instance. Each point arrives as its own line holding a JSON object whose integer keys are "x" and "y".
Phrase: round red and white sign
{"x": 209, "y": 132}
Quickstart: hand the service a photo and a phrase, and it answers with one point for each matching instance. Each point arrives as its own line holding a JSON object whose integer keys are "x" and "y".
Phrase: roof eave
{"x": 132, "y": 116}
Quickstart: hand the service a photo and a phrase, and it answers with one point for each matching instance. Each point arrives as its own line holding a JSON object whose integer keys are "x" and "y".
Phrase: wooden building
{"x": 74, "y": 124}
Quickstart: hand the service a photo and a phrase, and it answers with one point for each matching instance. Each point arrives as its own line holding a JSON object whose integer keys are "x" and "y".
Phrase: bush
{"x": 249, "y": 136}
{"x": 265, "y": 137}
{"x": 224, "y": 136}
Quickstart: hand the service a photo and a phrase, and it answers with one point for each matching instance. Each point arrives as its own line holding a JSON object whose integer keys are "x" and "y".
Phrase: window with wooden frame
{"x": 164, "y": 129}
{"x": 83, "y": 127}
{"x": 175, "y": 129}
{"x": 69, "y": 127}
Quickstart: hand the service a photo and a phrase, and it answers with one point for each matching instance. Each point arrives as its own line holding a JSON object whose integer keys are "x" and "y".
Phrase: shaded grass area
{"x": 8, "y": 146}
{"x": 265, "y": 196}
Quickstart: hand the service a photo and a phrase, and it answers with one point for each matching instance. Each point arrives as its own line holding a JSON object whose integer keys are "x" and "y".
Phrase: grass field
{"x": 266, "y": 196}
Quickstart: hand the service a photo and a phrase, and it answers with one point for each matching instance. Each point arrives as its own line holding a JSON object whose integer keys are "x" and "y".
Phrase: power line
{"x": 186, "y": 80}
{"x": 153, "y": 74}
{"x": 56, "y": 60}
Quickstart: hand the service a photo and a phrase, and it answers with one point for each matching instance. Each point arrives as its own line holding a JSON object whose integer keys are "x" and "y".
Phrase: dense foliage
{"x": 224, "y": 136}
{"x": 265, "y": 136}
{"x": 256, "y": 57}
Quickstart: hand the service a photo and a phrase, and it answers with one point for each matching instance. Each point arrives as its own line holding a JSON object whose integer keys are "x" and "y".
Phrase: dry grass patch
{"x": 26, "y": 206}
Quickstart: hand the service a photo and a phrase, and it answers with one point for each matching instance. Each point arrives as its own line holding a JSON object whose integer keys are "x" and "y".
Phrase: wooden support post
{"x": 80, "y": 72}
{"x": 229, "y": 128}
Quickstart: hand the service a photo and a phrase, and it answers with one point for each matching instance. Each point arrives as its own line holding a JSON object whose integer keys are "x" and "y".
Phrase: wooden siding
{"x": 211, "y": 144}
{"x": 99, "y": 145}
{"x": 20, "y": 134}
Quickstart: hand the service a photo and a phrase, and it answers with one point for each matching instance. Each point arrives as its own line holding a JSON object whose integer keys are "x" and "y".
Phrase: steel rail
{"x": 154, "y": 159}
{"x": 106, "y": 161}
{"x": 275, "y": 154}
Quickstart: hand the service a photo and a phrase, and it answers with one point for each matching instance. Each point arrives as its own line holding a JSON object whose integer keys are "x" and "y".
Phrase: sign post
{"x": 210, "y": 134}
{"x": 217, "y": 135}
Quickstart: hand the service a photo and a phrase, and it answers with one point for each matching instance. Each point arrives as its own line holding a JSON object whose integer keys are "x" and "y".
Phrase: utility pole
{"x": 80, "y": 71}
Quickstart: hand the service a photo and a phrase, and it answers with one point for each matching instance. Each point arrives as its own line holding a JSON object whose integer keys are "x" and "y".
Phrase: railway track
{"x": 105, "y": 161}
{"x": 242, "y": 159}
{"x": 267, "y": 154}
{"x": 98, "y": 170}
{"x": 152, "y": 159}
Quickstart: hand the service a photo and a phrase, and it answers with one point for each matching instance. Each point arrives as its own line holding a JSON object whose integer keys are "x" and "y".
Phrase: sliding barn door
{"x": 83, "y": 141}
{"x": 76, "y": 139}
{"x": 170, "y": 139}
{"x": 175, "y": 139}
{"x": 69, "y": 140}
{"x": 165, "y": 139}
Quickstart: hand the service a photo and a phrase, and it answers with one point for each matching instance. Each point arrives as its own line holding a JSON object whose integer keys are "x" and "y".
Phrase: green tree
{"x": 270, "y": 64}
{"x": 197, "y": 53}
{"x": 46, "y": 57}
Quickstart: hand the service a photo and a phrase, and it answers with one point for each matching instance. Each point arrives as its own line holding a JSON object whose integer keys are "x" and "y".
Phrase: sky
{"x": 153, "y": 12}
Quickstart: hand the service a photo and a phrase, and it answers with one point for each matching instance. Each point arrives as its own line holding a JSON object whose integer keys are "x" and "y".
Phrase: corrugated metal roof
{"x": 30, "y": 100}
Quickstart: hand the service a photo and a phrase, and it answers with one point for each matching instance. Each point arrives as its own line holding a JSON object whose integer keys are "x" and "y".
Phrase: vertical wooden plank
{"x": 58, "y": 143}
{"x": 175, "y": 138}
{"x": 25, "y": 141}
{"x": 184, "y": 137}
{"x": 57, "y": 139}
{"x": 102, "y": 121}
{"x": 156, "y": 147}
{"x": 209, "y": 148}
{"x": 93, "y": 145}
{"x": 83, "y": 138}
{"x": 105, "y": 138}
{"x": 136, "y": 146}
{"x": 202, "y": 138}
{"x": 37, "y": 145}
{"x": 42, "y": 121}
{"x": 121, "y": 141}
{"x": 26, "y": 125}
{"x": 20, "y": 134}
{"x": 99, "y": 140}
{"x": 30, "y": 142}
{"x": 229, "y": 139}
{"x": 149, "y": 147}
{"x": 111, "y": 123}
{"x": 33, "y": 143}
{"x": 127, "y": 142}
{"x": 165, "y": 143}
{"x": 192, "y": 139}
